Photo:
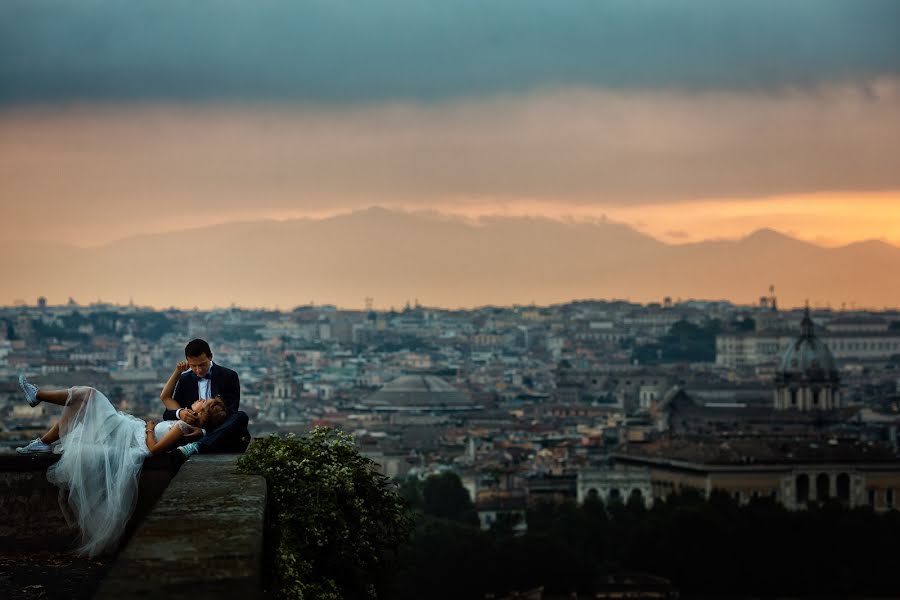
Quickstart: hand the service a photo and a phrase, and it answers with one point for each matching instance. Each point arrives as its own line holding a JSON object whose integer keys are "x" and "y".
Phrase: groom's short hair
{"x": 196, "y": 348}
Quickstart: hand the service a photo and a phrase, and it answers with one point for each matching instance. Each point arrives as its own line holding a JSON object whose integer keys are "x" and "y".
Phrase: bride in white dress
{"x": 103, "y": 451}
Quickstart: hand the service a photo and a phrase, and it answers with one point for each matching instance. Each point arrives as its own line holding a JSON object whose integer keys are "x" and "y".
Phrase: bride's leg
{"x": 57, "y": 397}
{"x": 52, "y": 434}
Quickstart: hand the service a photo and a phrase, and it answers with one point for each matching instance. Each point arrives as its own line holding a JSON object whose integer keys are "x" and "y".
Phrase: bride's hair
{"x": 212, "y": 414}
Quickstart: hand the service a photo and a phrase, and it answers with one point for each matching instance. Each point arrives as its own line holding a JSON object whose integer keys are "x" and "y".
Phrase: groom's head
{"x": 199, "y": 357}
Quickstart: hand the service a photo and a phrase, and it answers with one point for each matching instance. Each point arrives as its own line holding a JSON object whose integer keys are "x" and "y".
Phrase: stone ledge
{"x": 203, "y": 539}
{"x": 29, "y": 508}
{"x": 40, "y": 462}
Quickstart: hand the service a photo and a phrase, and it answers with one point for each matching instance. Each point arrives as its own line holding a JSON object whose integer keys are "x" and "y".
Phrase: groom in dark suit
{"x": 206, "y": 379}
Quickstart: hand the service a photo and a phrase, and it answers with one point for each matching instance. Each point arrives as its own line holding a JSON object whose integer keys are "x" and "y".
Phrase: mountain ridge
{"x": 763, "y": 234}
{"x": 395, "y": 256}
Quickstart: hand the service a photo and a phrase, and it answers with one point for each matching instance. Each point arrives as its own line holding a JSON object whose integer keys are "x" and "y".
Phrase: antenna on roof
{"x": 769, "y": 301}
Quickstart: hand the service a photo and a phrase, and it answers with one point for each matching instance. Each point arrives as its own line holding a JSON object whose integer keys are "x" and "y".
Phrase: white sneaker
{"x": 36, "y": 446}
{"x": 30, "y": 390}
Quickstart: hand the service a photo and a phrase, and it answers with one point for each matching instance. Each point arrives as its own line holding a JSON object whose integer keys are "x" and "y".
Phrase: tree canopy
{"x": 685, "y": 342}
{"x": 337, "y": 521}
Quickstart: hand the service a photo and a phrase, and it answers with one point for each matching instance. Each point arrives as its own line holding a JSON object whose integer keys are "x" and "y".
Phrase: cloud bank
{"x": 337, "y": 51}
{"x": 114, "y": 171}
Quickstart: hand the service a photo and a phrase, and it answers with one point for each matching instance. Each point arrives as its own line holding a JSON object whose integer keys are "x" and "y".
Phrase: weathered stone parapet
{"x": 203, "y": 539}
{"x": 30, "y": 516}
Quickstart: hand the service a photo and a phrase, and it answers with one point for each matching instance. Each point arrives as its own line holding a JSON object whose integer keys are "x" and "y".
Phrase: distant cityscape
{"x": 611, "y": 399}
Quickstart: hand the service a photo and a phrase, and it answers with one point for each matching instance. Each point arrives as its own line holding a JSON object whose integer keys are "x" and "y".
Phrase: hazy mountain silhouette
{"x": 397, "y": 256}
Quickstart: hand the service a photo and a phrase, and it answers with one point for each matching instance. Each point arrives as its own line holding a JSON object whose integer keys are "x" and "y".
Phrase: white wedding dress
{"x": 103, "y": 453}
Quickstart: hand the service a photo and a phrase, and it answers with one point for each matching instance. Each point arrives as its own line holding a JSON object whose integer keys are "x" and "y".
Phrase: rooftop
{"x": 418, "y": 392}
{"x": 711, "y": 451}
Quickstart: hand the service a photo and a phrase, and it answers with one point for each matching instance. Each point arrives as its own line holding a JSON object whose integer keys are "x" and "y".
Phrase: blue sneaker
{"x": 189, "y": 449}
{"x": 36, "y": 446}
{"x": 30, "y": 391}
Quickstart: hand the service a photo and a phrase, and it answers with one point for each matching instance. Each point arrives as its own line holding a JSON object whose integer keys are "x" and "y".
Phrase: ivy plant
{"x": 336, "y": 520}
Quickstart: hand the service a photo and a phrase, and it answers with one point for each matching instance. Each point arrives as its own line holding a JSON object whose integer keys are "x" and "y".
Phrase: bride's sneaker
{"x": 36, "y": 446}
{"x": 30, "y": 391}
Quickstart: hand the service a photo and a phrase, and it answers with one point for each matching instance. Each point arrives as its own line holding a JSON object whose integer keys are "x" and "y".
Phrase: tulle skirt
{"x": 103, "y": 451}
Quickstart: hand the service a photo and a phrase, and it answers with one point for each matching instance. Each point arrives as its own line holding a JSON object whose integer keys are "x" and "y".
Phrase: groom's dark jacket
{"x": 232, "y": 435}
{"x": 223, "y": 383}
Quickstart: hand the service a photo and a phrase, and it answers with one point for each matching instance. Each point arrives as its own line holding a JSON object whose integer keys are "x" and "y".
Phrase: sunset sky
{"x": 688, "y": 121}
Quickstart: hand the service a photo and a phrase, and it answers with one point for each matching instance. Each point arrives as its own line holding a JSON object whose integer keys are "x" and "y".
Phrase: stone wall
{"x": 204, "y": 539}
{"x": 30, "y": 515}
{"x": 197, "y": 531}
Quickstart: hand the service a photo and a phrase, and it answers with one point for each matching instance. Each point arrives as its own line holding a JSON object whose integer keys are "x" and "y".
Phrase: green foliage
{"x": 337, "y": 521}
{"x": 745, "y": 324}
{"x": 151, "y": 325}
{"x": 685, "y": 342}
{"x": 443, "y": 560}
{"x": 411, "y": 492}
{"x": 445, "y": 497}
{"x": 705, "y": 547}
{"x": 505, "y": 525}
{"x": 46, "y": 331}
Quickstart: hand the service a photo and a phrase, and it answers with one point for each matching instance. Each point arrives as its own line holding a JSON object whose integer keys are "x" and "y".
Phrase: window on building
{"x": 871, "y": 497}
{"x": 889, "y": 497}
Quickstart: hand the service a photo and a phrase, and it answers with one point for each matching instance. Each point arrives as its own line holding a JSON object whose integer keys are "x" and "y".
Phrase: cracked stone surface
{"x": 203, "y": 538}
{"x": 50, "y": 575}
{"x": 36, "y": 545}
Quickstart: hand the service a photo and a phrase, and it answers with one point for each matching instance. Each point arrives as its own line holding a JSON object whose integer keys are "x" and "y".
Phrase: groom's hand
{"x": 189, "y": 417}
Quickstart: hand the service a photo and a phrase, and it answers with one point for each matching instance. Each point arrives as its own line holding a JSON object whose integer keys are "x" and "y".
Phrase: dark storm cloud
{"x": 341, "y": 51}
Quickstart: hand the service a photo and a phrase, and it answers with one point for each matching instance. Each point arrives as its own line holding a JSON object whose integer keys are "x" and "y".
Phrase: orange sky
{"x": 826, "y": 219}
{"x": 821, "y": 165}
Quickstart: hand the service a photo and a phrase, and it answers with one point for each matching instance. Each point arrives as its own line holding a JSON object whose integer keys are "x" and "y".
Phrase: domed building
{"x": 419, "y": 393}
{"x": 807, "y": 379}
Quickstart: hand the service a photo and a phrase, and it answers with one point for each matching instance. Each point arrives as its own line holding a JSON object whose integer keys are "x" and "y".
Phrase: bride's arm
{"x": 172, "y": 439}
{"x": 192, "y": 435}
{"x": 169, "y": 389}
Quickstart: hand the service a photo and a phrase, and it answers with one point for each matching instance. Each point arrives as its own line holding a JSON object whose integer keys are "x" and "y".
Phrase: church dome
{"x": 418, "y": 392}
{"x": 808, "y": 358}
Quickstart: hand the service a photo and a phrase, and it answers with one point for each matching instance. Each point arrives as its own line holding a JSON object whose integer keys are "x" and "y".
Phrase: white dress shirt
{"x": 204, "y": 387}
